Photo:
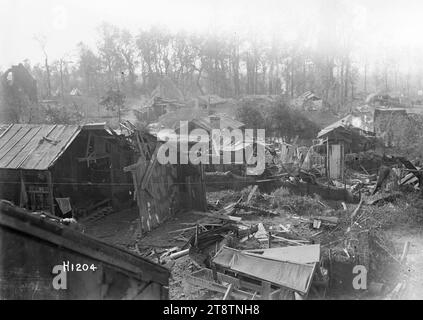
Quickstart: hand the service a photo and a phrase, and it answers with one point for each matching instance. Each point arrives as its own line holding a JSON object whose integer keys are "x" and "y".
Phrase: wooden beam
{"x": 357, "y": 210}
{"x": 275, "y": 295}
{"x": 112, "y": 181}
{"x": 93, "y": 157}
{"x": 213, "y": 286}
{"x": 50, "y": 189}
{"x": 265, "y": 290}
{"x": 132, "y": 167}
{"x": 189, "y": 190}
{"x": 270, "y": 240}
{"x": 138, "y": 198}
{"x": 179, "y": 254}
{"x": 253, "y": 191}
{"x": 182, "y": 230}
{"x": 286, "y": 240}
{"x": 228, "y": 292}
{"x": 405, "y": 252}
{"x": 150, "y": 168}
{"x": 217, "y": 216}
{"x": 21, "y": 195}
{"x": 87, "y": 149}
{"x": 140, "y": 147}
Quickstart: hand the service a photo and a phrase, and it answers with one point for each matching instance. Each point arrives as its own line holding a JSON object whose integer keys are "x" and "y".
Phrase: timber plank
{"x": 8, "y": 147}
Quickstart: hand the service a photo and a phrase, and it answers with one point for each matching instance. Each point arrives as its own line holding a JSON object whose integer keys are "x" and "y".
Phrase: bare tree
{"x": 42, "y": 41}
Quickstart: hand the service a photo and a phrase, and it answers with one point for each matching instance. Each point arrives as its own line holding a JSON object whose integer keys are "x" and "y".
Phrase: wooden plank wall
{"x": 33, "y": 281}
{"x": 162, "y": 190}
{"x": 336, "y": 161}
{"x": 160, "y": 199}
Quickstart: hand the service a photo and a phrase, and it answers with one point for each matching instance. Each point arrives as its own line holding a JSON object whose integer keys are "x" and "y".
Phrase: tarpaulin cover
{"x": 295, "y": 254}
{"x": 286, "y": 274}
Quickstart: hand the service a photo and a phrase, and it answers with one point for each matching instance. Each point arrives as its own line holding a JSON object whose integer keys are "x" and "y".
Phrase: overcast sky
{"x": 64, "y": 23}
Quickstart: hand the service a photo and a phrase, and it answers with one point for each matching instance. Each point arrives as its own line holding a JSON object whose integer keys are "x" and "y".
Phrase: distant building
{"x": 308, "y": 101}
{"x": 351, "y": 132}
{"x": 18, "y": 88}
{"x": 210, "y": 101}
{"x": 45, "y": 163}
{"x": 76, "y": 92}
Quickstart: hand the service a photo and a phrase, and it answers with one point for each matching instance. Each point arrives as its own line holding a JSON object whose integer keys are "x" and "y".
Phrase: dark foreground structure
{"x": 34, "y": 247}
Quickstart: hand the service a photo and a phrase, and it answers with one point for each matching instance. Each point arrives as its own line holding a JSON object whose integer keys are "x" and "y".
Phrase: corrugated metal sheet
{"x": 34, "y": 147}
{"x": 290, "y": 275}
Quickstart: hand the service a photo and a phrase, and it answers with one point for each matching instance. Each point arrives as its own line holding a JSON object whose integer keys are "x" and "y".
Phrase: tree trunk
{"x": 48, "y": 78}
{"x": 292, "y": 79}
{"x": 365, "y": 78}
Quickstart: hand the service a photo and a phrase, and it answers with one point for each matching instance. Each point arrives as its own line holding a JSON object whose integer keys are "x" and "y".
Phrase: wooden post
{"x": 270, "y": 239}
{"x": 112, "y": 180}
{"x": 203, "y": 188}
{"x": 87, "y": 150}
{"x": 228, "y": 292}
{"x": 74, "y": 173}
{"x": 265, "y": 290}
{"x": 134, "y": 178}
{"x": 189, "y": 190}
{"x": 214, "y": 273}
{"x": 50, "y": 187}
{"x": 21, "y": 197}
{"x": 196, "y": 236}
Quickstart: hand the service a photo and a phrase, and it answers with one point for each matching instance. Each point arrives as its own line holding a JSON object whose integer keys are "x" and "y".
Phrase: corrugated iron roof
{"x": 340, "y": 123}
{"x": 35, "y": 147}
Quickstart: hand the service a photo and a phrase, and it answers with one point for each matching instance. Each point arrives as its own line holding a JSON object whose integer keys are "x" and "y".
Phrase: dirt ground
{"x": 117, "y": 228}
{"x": 122, "y": 229}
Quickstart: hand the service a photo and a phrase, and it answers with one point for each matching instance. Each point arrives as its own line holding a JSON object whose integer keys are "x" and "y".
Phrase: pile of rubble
{"x": 237, "y": 248}
{"x": 304, "y": 236}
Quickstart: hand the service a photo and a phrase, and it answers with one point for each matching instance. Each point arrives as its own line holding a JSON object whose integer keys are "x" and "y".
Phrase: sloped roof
{"x": 225, "y": 122}
{"x": 294, "y": 254}
{"x": 344, "y": 122}
{"x": 212, "y": 98}
{"x": 75, "y": 92}
{"x": 35, "y": 147}
{"x": 173, "y": 119}
{"x": 309, "y": 95}
{"x": 167, "y": 89}
{"x": 54, "y": 233}
{"x": 290, "y": 275}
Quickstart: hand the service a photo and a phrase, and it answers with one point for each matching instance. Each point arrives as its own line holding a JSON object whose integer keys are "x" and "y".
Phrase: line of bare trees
{"x": 322, "y": 60}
